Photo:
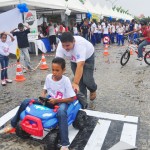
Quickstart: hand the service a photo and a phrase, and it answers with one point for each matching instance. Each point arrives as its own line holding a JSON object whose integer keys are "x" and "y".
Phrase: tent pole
{"x": 20, "y": 1}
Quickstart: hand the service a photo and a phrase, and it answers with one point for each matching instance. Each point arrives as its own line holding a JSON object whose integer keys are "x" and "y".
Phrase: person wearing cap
{"x": 23, "y": 44}
{"x": 145, "y": 40}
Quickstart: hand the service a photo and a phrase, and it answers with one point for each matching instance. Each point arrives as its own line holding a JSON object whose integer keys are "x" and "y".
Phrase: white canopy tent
{"x": 89, "y": 7}
{"x": 76, "y": 5}
{"x": 53, "y": 4}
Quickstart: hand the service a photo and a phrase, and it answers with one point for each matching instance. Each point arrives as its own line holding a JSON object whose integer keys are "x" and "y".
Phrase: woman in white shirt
{"x": 106, "y": 30}
{"x": 75, "y": 30}
{"x": 4, "y": 52}
{"x": 120, "y": 31}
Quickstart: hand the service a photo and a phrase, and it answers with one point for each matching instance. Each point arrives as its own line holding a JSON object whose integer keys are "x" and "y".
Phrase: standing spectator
{"x": 85, "y": 29}
{"x": 75, "y": 30}
{"x": 93, "y": 32}
{"x": 52, "y": 36}
{"x": 106, "y": 30}
{"x": 40, "y": 33}
{"x": 113, "y": 33}
{"x": 131, "y": 28}
{"x": 23, "y": 44}
{"x": 44, "y": 28}
{"x": 99, "y": 31}
{"x": 4, "y": 59}
{"x": 120, "y": 31}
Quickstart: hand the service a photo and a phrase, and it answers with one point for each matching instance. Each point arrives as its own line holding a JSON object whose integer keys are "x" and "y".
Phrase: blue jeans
{"x": 87, "y": 81}
{"x": 4, "y": 63}
{"x": 140, "y": 47}
{"x": 93, "y": 39}
{"x": 112, "y": 37}
{"x": 62, "y": 119}
{"x": 120, "y": 39}
{"x": 85, "y": 35}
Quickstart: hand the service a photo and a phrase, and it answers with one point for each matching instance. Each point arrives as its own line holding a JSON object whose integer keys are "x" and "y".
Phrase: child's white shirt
{"x": 5, "y": 48}
{"x": 59, "y": 89}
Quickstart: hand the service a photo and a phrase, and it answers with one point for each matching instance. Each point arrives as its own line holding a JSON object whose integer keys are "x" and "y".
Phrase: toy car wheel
{"x": 52, "y": 140}
{"x": 80, "y": 120}
{"x": 20, "y": 133}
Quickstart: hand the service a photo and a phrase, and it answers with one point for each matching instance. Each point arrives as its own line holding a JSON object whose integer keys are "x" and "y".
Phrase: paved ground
{"x": 121, "y": 90}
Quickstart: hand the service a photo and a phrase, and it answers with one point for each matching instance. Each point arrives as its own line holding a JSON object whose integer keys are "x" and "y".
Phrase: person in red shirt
{"x": 145, "y": 39}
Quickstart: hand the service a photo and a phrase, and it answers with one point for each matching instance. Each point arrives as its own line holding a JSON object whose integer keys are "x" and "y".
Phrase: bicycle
{"x": 134, "y": 47}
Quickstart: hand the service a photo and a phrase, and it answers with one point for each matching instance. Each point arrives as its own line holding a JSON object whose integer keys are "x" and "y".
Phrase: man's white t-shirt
{"x": 4, "y": 48}
{"x": 82, "y": 50}
{"x": 59, "y": 89}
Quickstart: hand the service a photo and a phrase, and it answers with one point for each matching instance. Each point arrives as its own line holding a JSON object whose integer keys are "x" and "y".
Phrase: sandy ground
{"x": 121, "y": 90}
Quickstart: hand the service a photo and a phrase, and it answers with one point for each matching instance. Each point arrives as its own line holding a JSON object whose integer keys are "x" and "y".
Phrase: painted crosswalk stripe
{"x": 129, "y": 133}
{"x": 4, "y": 119}
{"x": 118, "y": 117}
{"x": 98, "y": 136}
{"x": 72, "y": 133}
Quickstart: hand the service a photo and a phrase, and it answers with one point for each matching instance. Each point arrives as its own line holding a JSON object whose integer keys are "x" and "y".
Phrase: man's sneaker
{"x": 139, "y": 59}
{"x": 3, "y": 82}
{"x": 92, "y": 95}
{"x": 8, "y": 80}
{"x": 64, "y": 148}
{"x": 7, "y": 129}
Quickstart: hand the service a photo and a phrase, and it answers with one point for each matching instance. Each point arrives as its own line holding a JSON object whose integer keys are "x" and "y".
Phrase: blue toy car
{"x": 40, "y": 122}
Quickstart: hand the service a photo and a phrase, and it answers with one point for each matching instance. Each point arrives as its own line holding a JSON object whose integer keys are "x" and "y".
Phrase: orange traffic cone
{"x": 44, "y": 65}
{"x": 106, "y": 50}
{"x": 19, "y": 74}
{"x": 131, "y": 52}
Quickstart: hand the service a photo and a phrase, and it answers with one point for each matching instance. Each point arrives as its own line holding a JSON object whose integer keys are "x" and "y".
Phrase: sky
{"x": 135, "y": 7}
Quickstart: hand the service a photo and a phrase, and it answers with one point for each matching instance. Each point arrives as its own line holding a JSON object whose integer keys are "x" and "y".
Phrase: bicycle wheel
{"x": 125, "y": 58}
{"x": 147, "y": 58}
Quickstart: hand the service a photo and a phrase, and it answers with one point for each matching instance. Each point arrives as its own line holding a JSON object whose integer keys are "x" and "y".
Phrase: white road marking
{"x": 129, "y": 134}
{"x": 98, "y": 136}
{"x": 118, "y": 117}
{"x": 72, "y": 133}
{"x": 4, "y": 119}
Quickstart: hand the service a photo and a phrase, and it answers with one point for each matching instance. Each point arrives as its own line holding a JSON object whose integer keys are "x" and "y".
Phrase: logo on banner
{"x": 30, "y": 18}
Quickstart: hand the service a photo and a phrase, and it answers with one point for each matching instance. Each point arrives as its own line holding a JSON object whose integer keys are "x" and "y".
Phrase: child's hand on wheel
{"x": 52, "y": 101}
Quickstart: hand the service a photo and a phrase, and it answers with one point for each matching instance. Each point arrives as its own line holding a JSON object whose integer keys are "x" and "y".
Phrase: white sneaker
{"x": 64, "y": 148}
{"x": 3, "y": 82}
{"x": 8, "y": 80}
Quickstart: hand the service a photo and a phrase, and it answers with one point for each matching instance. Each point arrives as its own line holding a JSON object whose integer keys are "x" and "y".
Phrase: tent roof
{"x": 89, "y": 7}
{"x": 76, "y": 5}
{"x": 54, "y": 4}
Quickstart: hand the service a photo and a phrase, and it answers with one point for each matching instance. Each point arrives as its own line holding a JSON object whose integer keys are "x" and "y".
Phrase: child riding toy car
{"x": 40, "y": 122}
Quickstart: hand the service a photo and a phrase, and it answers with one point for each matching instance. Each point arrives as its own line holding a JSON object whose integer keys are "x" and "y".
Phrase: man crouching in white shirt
{"x": 81, "y": 54}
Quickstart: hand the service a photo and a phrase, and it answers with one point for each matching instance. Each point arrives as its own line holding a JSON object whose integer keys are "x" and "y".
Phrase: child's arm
{"x": 56, "y": 101}
{"x": 12, "y": 38}
{"x": 43, "y": 94}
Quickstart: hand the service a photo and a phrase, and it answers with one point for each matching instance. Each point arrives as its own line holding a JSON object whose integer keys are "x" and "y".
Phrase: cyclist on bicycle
{"x": 145, "y": 40}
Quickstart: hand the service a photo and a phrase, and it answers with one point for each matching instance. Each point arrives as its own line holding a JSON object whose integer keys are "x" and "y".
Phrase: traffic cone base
{"x": 106, "y": 50}
{"x": 131, "y": 52}
{"x": 19, "y": 74}
{"x": 43, "y": 65}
